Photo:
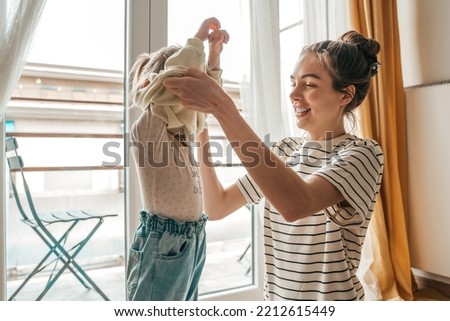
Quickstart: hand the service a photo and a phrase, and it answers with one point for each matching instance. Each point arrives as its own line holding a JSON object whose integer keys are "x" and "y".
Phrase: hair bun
{"x": 369, "y": 47}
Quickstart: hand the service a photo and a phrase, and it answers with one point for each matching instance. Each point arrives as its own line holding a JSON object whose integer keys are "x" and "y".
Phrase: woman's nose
{"x": 295, "y": 93}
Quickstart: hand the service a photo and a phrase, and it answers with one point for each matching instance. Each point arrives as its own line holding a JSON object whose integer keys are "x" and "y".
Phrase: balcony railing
{"x": 66, "y": 135}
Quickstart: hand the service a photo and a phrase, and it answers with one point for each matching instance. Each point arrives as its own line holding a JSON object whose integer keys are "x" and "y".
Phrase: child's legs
{"x": 163, "y": 263}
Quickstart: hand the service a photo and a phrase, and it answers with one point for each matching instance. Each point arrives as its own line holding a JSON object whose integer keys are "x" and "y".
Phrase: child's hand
{"x": 206, "y": 26}
{"x": 216, "y": 40}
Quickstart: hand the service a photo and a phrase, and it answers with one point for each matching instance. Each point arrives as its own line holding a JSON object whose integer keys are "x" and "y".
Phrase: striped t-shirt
{"x": 316, "y": 258}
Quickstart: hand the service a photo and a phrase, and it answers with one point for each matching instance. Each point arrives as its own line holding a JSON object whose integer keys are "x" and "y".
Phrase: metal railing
{"x": 66, "y": 135}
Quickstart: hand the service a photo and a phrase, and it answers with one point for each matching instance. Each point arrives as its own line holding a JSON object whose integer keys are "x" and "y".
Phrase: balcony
{"x": 62, "y": 126}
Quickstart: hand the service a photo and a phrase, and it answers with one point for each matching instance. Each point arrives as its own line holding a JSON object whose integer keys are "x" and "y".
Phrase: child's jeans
{"x": 166, "y": 259}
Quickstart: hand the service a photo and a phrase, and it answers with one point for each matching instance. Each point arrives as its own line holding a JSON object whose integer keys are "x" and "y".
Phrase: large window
{"x": 291, "y": 43}
{"x": 229, "y": 256}
{"x": 67, "y": 106}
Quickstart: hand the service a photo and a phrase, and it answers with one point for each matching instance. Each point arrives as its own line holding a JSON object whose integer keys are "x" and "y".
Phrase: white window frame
{"x": 146, "y": 23}
{"x": 3, "y": 12}
{"x": 2, "y": 214}
{"x": 146, "y": 30}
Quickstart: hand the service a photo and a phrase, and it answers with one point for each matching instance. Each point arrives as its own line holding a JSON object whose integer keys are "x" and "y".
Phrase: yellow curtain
{"x": 383, "y": 118}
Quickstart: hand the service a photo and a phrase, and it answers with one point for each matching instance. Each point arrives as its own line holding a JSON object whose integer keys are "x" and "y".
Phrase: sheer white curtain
{"x": 263, "y": 96}
{"x": 261, "y": 87}
{"x": 18, "y": 21}
{"x": 325, "y": 19}
{"x": 17, "y": 31}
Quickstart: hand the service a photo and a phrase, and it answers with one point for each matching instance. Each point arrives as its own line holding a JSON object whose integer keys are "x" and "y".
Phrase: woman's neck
{"x": 325, "y": 135}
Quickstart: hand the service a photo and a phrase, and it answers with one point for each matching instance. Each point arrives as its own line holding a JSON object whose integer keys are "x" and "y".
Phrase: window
{"x": 67, "y": 107}
{"x": 229, "y": 256}
{"x": 73, "y": 87}
{"x": 291, "y": 43}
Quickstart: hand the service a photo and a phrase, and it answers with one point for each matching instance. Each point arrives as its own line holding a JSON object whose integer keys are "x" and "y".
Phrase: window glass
{"x": 182, "y": 26}
{"x": 65, "y": 112}
{"x": 291, "y": 44}
{"x": 291, "y": 13}
{"x": 229, "y": 252}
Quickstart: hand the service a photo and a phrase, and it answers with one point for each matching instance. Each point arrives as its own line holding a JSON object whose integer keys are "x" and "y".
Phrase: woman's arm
{"x": 293, "y": 197}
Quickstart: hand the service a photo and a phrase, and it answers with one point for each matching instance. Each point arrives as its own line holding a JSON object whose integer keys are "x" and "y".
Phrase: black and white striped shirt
{"x": 316, "y": 258}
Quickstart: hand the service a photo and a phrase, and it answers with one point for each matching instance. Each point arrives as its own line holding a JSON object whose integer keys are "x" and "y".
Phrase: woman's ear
{"x": 349, "y": 94}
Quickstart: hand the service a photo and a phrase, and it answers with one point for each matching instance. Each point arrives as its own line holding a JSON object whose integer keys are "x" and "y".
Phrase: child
{"x": 167, "y": 255}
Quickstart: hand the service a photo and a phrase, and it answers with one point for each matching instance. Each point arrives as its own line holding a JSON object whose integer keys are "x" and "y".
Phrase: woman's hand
{"x": 200, "y": 92}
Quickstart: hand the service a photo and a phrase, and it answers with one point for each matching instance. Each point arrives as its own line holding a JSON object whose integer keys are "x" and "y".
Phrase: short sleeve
{"x": 249, "y": 190}
{"x": 283, "y": 149}
{"x": 356, "y": 171}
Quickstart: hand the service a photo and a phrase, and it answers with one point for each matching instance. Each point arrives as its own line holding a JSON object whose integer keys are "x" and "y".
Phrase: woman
{"x": 319, "y": 189}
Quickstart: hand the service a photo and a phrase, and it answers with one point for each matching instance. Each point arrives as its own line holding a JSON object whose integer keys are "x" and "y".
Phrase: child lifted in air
{"x": 167, "y": 254}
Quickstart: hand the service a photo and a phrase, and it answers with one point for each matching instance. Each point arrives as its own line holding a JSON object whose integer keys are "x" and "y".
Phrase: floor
{"x": 228, "y": 265}
{"x": 224, "y": 269}
{"x": 430, "y": 294}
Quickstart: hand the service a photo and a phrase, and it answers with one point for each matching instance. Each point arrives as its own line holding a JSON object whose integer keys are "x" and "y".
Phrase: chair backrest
{"x": 15, "y": 163}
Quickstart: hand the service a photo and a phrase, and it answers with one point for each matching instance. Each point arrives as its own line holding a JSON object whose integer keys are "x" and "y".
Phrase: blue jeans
{"x": 166, "y": 259}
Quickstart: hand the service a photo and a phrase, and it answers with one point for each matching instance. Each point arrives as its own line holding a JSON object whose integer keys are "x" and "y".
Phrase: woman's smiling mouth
{"x": 300, "y": 112}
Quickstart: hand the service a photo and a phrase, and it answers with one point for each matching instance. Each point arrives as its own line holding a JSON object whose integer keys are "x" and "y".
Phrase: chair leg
{"x": 33, "y": 273}
{"x": 79, "y": 278}
{"x": 66, "y": 258}
{"x": 62, "y": 239}
{"x": 40, "y": 265}
{"x": 80, "y": 270}
{"x": 68, "y": 265}
{"x": 245, "y": 252}
{"x": 242, "y": 256}
{"x": 90, "y": 281}
{"x": 52, "y": 281}
{"x": 71, "y": 259}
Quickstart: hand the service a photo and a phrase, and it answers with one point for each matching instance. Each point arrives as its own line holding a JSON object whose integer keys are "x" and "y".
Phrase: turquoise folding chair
{"x": 40, "y": 223}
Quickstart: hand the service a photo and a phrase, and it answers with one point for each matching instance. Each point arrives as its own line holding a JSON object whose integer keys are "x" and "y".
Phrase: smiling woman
{"x": 316, "y": 216}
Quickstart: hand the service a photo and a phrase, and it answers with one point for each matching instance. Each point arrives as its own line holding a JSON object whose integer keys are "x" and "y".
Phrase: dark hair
{"x": 351, "y": 60}
{"x": 149, "y": 63}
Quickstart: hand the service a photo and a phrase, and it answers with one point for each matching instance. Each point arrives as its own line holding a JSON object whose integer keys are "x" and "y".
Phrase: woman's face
{"x": 318, "y": 107}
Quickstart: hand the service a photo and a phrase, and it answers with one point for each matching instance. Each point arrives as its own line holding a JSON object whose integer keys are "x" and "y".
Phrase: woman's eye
{"x": 308, "y": 85}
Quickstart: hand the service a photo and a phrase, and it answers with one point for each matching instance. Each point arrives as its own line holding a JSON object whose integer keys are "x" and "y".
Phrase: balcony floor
{"x": 222, "y": 270}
